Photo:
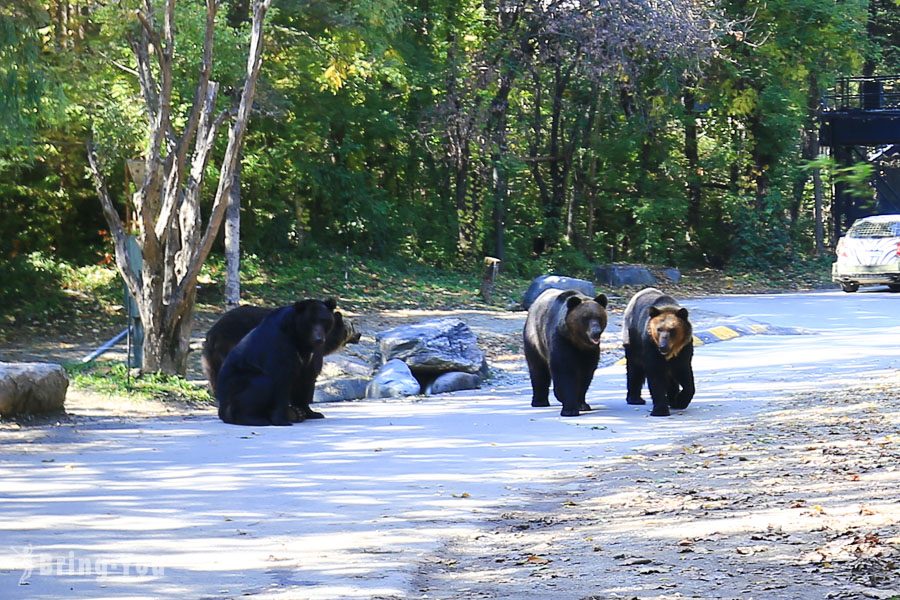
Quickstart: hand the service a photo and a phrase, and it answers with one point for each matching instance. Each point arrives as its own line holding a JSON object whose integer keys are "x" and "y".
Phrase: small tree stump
{"x": 491, "y": 268}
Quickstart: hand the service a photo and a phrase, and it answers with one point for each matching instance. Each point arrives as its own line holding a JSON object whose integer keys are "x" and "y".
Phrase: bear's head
{"x": 585, "y": 320}
{"x": 670, "y": 329}
{"x": 344, "y": 330}
{"x": 312, "y": 320}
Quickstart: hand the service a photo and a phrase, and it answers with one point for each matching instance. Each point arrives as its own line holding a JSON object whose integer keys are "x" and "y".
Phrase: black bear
{"x": 271, "y": 373}
{"x": 659, "y": 346}
{"x": 238, "y": 322}
{"x": 562, "y": 345}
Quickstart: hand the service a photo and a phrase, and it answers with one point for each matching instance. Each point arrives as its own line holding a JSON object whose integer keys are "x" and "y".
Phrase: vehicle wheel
{"x": 849, "y": 287}
{"x": 894, "y": 287}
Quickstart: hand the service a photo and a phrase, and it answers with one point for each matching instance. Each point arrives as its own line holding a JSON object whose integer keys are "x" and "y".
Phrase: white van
{"x": 869, "y": 254}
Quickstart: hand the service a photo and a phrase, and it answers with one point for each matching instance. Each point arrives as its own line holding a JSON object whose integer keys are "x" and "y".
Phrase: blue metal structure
{"x": 860, "y": 121}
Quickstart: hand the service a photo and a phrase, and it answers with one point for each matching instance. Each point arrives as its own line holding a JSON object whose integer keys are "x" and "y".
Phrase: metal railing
{"x": 864, "y": 93}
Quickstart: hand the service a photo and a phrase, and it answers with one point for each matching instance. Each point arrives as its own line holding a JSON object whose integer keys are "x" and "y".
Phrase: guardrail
{"x": 864, "y": 93}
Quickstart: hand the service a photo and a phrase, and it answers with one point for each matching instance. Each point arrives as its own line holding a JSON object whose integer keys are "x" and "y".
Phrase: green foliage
{"x": 361, "y": 118}
{"x": 112, "y": 378}
{"x": 358, "y": 283}
{"x": 36, "y": 286}
{"x": 27, "y": 87}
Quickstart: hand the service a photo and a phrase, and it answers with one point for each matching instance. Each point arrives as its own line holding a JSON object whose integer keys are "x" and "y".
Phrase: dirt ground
{"x": 799, "y": 503}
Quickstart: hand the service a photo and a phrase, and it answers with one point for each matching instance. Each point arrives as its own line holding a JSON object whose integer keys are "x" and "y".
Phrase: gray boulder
{"x": 619, "y": 275}
{"x": 672, "y": 274}
{"x": 556, "y": 282}
{"x": 393, "y": 380}
{"x": 32, "y": 388}
{"x": 336, "y": 366}
{"x": 453, "y": 382}
{"x": 433, "y": 346}
{"x": 341, "y": 390}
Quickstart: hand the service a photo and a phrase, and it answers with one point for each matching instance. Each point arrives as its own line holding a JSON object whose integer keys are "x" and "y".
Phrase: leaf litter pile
{"x": 802, "y": 502}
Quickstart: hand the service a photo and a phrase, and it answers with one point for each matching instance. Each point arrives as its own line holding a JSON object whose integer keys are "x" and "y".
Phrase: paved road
{"x": 187, "y": 507}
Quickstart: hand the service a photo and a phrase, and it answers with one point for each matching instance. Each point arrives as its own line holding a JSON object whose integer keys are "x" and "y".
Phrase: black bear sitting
{"x": 659, "y": 346}
{"x": 238, "y": 322}
{"x": 562, "y": 344}
{"x": 273, "y": 369}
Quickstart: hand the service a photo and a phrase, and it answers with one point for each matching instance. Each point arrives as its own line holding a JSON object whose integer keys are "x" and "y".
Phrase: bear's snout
{"x": 663, "y": 342}
{"x": 317, "y": 336}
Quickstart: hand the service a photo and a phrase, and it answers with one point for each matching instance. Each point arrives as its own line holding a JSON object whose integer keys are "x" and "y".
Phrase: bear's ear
{"x": 601, "y": 300}
{"x": 572, "y": 302}
{"x": 682, "y": 313}
{"x": 654, "y": 312}
{"x": 338, "y": 317}
{"x": 331, "y": 303}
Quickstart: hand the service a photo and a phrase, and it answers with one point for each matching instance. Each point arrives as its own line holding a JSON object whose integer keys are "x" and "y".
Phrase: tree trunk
{"x": 497, "y": 134}
{"x": 553, "y": 214}
{"x": 692, "y": 155}
{"x": 818, "y": 199}
{"x": 582, "y": 177}
{"x": 167, "y": 203}
{"x": 233, "y": 243}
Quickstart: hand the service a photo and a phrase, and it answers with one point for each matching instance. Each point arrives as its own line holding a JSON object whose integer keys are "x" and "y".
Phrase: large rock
{"x": 341, "y": 390}
{"x": 434, "y": 346}
{"x": 453, "y": 382}
{"x": 672, "y": 274}
{"x": 619, "y": 275}
{"x": 393, "y": 380}
{"x": 557, "y": 282}
{"x": 32, "y": 388}
{"x": 336, "y": 366}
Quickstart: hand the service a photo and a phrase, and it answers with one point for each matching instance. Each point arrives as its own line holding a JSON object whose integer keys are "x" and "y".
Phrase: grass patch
{"x": 358, "y": 284}
{"x": 112, "y": 378}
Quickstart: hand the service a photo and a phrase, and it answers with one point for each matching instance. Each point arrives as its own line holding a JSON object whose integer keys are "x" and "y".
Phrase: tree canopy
{"x": 550, "y": 134}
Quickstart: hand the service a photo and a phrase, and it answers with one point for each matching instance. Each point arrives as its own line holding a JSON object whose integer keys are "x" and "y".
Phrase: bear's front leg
{"x": 539, "y": 374}
{"x": 685, "y": 377}
{"x": 565, "y": 388}
{"x": 302, "y": 397}
{"x": 634, "y": 375}
{"x": 658, "y": 390}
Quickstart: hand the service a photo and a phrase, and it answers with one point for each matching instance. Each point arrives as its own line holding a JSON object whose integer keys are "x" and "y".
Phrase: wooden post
{"x": 491, "y": 268}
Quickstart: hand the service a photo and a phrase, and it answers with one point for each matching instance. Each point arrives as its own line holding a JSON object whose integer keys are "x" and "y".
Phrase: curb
{"x": 721, "y": 333}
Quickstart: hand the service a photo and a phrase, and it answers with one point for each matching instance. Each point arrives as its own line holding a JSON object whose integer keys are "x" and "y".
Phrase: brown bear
{"x": 238, "y": 322}
{"x": 562, "y": 345}
{"x": 659, "y": 346}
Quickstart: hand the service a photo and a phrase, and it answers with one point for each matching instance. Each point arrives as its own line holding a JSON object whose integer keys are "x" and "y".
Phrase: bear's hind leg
{"x": 260, "y": 403}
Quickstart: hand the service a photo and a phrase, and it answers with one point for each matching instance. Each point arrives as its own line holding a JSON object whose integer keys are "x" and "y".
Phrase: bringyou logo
{"x": 71, "y": 564}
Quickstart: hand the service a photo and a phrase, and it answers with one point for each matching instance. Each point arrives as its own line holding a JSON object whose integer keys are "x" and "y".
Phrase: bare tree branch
{"x": 114, "y": 221}
{"x": 177, "y": 307}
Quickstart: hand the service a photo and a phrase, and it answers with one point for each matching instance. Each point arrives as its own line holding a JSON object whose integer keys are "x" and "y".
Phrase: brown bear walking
{"x": 659, "y": 346}
{"x": 562, "y": 345}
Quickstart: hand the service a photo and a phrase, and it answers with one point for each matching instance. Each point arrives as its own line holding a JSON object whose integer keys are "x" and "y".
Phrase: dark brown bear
{"x": 562, "y": 345}
{"x": 659, "y": 346}
{"x": 238, "y": 322}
